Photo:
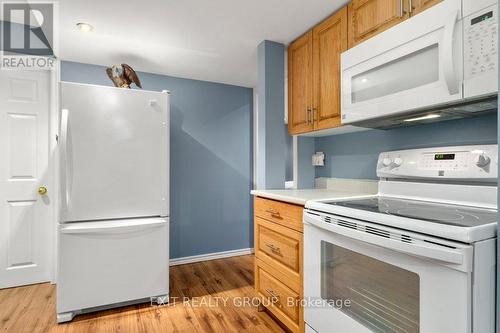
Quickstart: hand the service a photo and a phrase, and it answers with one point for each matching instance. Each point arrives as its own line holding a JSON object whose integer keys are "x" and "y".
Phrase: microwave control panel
{"x": 481, "y": 42}
{"x": 479, "y": 163}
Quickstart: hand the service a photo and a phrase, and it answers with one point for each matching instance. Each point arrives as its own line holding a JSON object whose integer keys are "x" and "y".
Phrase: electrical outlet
{"x": 318, "y": 159}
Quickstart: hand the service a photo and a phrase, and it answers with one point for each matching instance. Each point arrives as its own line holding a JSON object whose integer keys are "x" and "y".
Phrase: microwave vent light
{"x": 429, "y": 116}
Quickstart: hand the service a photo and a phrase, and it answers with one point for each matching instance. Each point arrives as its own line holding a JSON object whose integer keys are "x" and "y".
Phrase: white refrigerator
{"x": 113, "y": 234}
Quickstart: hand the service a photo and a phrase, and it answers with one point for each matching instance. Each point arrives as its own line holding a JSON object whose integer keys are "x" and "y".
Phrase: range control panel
{"x": 445, "y": 161}
{"x": 478, "y": 163}
{"x": 481, "y": 42}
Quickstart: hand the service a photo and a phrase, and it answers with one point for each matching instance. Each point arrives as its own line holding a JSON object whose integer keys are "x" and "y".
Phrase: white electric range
{"x": 419, "y": 257}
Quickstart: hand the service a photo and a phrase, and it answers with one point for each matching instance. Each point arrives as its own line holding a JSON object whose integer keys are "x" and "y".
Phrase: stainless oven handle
{"x": 424, "y": 250}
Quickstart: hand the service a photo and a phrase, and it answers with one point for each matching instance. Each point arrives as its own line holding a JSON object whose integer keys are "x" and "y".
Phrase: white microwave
{"x": 439, "y": 63}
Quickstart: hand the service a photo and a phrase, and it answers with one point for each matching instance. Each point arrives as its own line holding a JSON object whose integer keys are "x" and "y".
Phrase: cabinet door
{"x": 368, "y": 18}
{"x": 300, "y": 85}
{"x": 329, "y": 41}
{"x": 418, "y": 6}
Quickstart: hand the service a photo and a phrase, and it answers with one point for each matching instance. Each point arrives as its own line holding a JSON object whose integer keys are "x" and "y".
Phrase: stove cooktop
{"x": 461, "y": 216}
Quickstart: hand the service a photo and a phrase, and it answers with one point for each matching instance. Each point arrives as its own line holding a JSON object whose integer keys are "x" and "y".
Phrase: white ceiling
{"x": 212, "y": 40}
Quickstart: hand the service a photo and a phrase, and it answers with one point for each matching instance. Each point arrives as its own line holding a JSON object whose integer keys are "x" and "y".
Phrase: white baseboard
{"x": 210, "y": 256}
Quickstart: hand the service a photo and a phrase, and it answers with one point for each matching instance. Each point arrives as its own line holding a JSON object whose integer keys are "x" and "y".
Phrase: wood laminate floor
{"x": 208, "y": 298}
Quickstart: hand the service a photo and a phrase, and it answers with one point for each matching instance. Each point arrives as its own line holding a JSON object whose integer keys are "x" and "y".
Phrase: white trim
{"x": 54, "y": 164}
{"x": 255, "y": 140}
{"x": 295, "y": 162}
{"x": 285, "y": 76}
{"x": 210, "y": 256}
{"x": 344, "y": 129}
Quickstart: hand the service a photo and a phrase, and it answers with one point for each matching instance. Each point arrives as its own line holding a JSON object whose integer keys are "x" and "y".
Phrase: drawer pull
{"x": 273, "y": 212}
{"x": 273, "y": 248}
{"x": 275, "y": 298}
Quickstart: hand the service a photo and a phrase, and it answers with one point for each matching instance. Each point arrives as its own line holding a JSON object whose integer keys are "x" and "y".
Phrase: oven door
{"x": 361, "y": 277}
{"x": 412, "y": 66}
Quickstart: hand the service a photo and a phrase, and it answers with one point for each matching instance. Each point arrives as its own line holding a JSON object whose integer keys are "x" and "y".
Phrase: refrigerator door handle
{"x": 111, "y": 227}
{"x": 65, "y": 166}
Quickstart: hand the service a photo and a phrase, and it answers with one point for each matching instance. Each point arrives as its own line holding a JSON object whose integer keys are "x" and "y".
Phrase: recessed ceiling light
{"x": 429, "y": 116}
{"x": 84, "y": 27}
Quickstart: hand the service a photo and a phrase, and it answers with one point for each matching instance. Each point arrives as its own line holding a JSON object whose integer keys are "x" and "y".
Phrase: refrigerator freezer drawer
{"x": 109, "y": 262}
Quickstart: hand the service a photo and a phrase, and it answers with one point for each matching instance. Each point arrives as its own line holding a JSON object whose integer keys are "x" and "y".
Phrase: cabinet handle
{"x": 410, "y": 4}
{"x": 314, "y": 111}
{"x": 401, "y": 8}
{"x": 275, "y": 298}
{"x": 273, "y": 248}
{"x": 309, "y": 115}
{"x": 273, "y": 212}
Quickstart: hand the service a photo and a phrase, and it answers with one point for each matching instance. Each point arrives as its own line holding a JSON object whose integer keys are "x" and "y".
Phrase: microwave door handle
{"x": 429, "y": 251}
{"x": 448, "y": 59}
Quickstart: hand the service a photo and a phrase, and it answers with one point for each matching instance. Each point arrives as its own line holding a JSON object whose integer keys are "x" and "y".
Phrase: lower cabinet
{"x": 279, "y": 261}
{"x": 278, "y": 298}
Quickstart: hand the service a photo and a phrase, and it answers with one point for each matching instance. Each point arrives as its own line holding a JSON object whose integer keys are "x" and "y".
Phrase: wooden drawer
{"x": 281, "y": 248}
{"x": 279, "y": 299}
{"x": 279, "y": 212}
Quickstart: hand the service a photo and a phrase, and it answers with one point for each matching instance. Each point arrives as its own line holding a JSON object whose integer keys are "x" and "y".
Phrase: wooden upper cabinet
{"x": 329, "y": 41}
{"x": 418, "y": 6}
{"x": 300, "y": 85}
{"x": 370, "y": 17}
{"x": 314, "y": 76}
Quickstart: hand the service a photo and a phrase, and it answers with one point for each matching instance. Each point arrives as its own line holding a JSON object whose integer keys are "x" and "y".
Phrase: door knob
{"x": 42, "y": 190}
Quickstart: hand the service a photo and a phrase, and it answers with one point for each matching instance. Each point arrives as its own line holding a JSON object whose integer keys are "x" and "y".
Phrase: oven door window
{"x": 383, "y": 297}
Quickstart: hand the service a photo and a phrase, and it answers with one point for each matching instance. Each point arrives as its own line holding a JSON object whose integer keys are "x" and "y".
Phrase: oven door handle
{"x": 421, "y": 249}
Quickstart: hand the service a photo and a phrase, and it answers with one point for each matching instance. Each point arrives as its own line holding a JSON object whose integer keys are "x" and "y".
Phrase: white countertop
{"x": 335, "y": 190}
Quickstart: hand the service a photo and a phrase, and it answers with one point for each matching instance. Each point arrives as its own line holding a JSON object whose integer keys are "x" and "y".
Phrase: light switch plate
{"x": 318, "y": 159}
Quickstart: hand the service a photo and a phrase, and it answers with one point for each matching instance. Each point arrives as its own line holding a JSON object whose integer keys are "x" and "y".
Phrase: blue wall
{"x": 355, "y": 155}
{"x": 271, "y": 134}
{"x": 211, "y": 159}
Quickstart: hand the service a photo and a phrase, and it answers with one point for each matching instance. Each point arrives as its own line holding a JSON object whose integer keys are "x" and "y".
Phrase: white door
{"x": 114, "y": 152}
{"x": 25, "y": 226}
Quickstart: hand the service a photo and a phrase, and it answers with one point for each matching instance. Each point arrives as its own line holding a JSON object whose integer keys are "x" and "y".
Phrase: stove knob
{"x": 482, "y": 160}
{"x": 387, "y": 161}
{"x": 398, "y": 161}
